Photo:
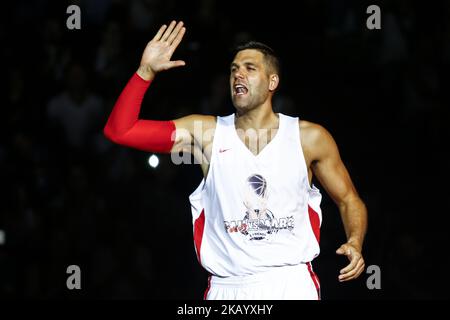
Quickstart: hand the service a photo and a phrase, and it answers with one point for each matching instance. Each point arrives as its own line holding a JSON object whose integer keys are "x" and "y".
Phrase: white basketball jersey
{"x": 255, "y": 212}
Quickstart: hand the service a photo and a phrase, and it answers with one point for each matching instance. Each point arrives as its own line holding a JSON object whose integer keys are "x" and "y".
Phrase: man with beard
{"x": 252, "y": 142}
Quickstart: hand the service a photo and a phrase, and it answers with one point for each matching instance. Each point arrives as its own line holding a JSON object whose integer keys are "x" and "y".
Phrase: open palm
{"x": 159, "y": 50}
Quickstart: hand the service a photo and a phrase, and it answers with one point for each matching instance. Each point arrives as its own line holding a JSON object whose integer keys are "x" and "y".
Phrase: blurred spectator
{"x": 109, "y": 59}
{"x": 76, "y": 109}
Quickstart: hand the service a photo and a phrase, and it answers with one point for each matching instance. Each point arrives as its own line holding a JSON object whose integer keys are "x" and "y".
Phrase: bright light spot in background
{"x": 153, "y": 161}
{"x": 2, "y": 237}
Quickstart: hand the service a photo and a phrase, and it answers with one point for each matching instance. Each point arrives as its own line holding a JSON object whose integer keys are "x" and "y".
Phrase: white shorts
{"x": 297, "y": 282}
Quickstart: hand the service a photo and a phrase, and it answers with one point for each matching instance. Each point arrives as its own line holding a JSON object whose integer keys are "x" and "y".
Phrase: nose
{"x": 238, "y": 74}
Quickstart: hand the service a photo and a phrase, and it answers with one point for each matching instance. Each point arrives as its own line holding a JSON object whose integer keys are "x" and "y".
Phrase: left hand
{"x": 356, "y": 265}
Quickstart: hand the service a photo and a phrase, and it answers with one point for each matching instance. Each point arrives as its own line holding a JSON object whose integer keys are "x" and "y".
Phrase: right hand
{"x": 159, "y": 51}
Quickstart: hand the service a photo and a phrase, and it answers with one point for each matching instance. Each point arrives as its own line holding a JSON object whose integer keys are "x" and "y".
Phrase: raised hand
{"x": 159, "y": 51}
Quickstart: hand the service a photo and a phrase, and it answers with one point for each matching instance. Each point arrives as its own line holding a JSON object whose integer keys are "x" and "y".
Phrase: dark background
{"x": 70, "y": 197}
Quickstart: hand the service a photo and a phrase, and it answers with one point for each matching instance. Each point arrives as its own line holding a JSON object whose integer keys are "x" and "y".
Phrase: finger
{"x": 160, "y": 32}
{"x": 355, "y": 258}
{"x": 353, "y": 262}
{"x": 175, "y": 32}
{"x": 353, "y": 273}
{"x": 359, "y": 271}
{"x": 177, "y": 40}
{"x": 168, "y": 31}
{"x": 350, "y": 275}
{"x": 178, "y": 63}
{"x": 174, "y": 64}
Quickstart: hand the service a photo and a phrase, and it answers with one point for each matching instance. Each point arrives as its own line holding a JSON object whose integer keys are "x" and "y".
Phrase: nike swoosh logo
{"x": 223, "y": 150}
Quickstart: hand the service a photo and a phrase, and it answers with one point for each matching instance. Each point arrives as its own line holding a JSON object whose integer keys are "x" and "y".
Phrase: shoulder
{"x": 315, "y": 138}
{"x": 190, "y": 122}
{"x": 313, "y": 132}
{"x": 193, "y": 128}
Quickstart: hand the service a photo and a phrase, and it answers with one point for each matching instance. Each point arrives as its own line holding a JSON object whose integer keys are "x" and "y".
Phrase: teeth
{"x": 240, "y": 89}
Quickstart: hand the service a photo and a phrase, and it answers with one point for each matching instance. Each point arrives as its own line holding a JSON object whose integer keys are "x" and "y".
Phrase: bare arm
{"x": 329, "y": 169}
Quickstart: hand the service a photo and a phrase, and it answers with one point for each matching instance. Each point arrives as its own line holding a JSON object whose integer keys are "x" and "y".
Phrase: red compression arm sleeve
{"x": 124, "y": 126}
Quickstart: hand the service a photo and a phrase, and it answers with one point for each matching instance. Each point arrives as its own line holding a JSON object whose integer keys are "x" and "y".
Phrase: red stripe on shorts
{"x": 207, "y": 288}
{"x": 315, "y": 279}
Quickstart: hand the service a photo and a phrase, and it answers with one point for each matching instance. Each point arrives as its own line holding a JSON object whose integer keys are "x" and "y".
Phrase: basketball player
{"x": 256, "y": 215}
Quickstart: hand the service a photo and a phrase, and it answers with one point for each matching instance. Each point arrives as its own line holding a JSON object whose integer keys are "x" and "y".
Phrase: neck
{"x": 261, "y": 117}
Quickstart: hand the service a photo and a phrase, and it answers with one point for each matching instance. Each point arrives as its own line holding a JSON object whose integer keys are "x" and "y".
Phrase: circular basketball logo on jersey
{"x": 258, "y": 184}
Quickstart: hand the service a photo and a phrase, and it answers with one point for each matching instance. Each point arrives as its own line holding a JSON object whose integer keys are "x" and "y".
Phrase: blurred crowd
{"x": 69, "y": 196}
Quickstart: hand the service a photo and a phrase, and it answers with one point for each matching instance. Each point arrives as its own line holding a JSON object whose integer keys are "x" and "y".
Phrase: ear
{"x": 274, "y": 80}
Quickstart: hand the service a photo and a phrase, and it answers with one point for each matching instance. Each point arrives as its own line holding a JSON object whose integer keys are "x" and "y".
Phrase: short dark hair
{"x": 269, "y": 54}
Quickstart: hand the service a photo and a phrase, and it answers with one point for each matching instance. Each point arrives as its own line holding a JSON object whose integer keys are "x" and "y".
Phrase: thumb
{"x": 174, "y": 64}
{"x": 341, "y": 250}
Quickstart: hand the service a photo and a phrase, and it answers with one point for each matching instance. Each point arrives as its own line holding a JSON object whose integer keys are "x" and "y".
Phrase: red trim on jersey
{"x": 205, "y": 295}
{"x": 315, "y": 279}
{"x": 199, "y": 226}
{"x": 315, "y": 222}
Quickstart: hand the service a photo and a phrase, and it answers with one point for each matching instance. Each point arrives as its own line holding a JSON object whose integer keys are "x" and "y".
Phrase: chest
{"x": 256, "y": 140}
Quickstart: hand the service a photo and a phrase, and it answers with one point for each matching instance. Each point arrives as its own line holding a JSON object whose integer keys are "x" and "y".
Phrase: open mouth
{"x": 240, "y": 89}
